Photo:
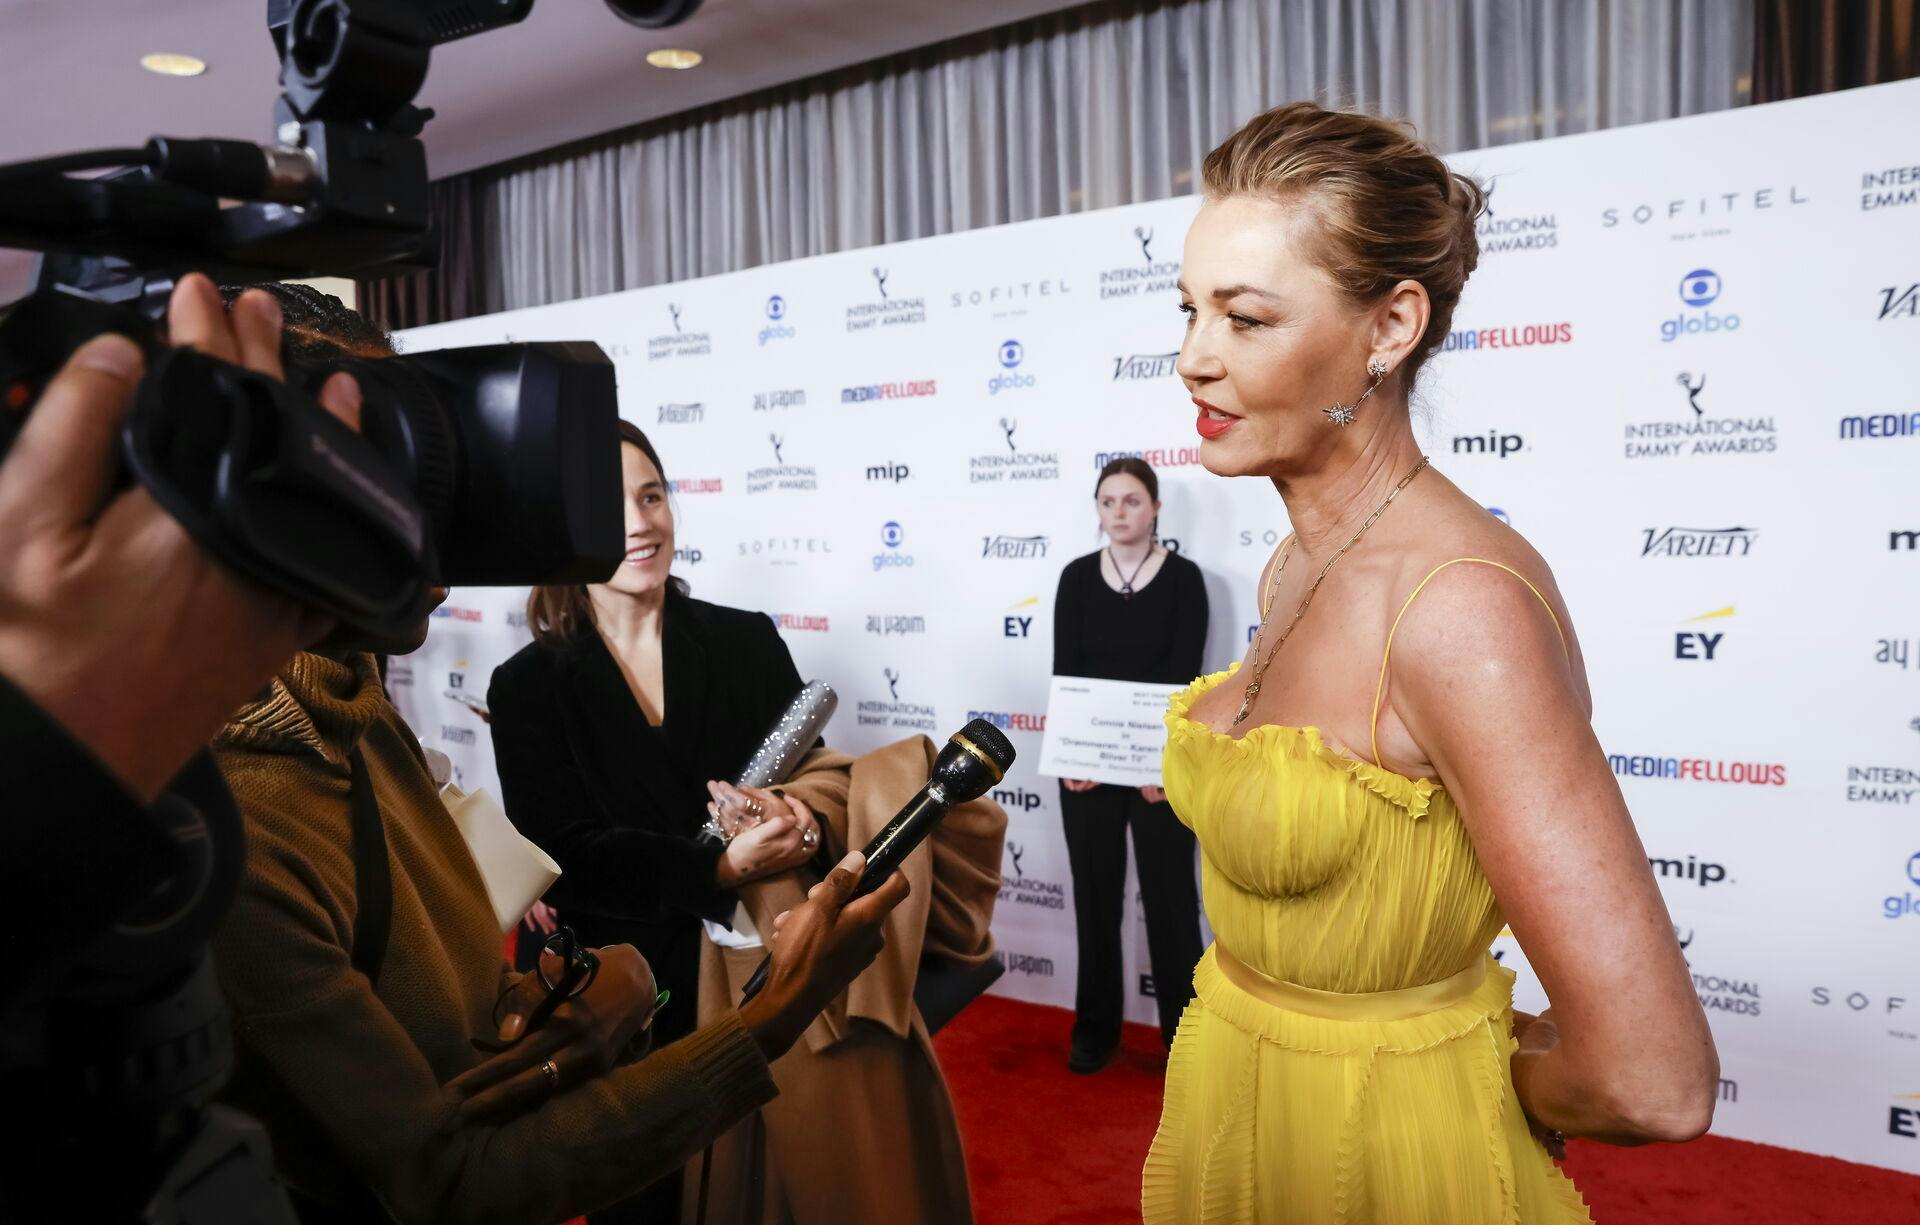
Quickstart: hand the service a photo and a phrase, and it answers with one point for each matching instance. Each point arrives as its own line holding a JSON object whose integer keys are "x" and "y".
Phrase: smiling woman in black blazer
{"x": 606, "y": 730}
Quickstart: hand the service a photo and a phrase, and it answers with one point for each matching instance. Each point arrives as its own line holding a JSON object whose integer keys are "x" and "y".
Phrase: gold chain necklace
{"x": 1260, "y": 667}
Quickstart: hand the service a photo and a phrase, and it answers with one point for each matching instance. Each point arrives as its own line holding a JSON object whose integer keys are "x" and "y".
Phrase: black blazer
{"x": 619, "y": 803}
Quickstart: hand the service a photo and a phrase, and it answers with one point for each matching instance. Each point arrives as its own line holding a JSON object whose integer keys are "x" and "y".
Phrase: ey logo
{"x": 1700, "y": 644}
{"x": 1013, "y": 625}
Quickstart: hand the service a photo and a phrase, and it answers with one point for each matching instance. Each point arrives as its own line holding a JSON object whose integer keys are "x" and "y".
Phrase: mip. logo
{"x": 1699, "y": 289}
{"x": 1011, "y": 353}
{"x": 893, "y": 683}
{"x": 1145, "y": 237}
{"x": 880, "y": 280}
{"x": 1693, "y": 390}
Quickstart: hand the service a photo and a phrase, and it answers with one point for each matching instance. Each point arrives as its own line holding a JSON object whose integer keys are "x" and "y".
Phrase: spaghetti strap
{"x": 1379, "y": 687}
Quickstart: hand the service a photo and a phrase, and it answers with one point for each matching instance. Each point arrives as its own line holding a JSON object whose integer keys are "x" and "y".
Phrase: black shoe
{"x": 1086, "y": 1060}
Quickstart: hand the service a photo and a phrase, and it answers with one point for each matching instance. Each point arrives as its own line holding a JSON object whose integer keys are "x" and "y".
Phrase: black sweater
{"x": 1158, "y": 635}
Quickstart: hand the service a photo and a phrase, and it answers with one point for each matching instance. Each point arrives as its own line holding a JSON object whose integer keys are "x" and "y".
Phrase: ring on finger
{"x": 551, "y": 1071}
{"x": 810, "y": 838}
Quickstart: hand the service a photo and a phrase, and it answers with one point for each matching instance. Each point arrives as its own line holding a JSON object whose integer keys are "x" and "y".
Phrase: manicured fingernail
{"x": 113, "y": 354}
{"x": 854, "y": 861}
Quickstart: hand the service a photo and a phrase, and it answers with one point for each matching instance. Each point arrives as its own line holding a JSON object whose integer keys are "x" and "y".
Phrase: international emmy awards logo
{"x": 1693, "y": 390}
{"x": 1008, "y": 427}
{"x": 776, "y": 440}
{"x": 880, "y": 279}
{"x": 893, "y": 683}
{"x": 1145, "y": 236}
{"x": 675, "y": 310}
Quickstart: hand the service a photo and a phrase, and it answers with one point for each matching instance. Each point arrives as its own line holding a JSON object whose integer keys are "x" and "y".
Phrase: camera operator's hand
{"x": 111, "y": 619}
{"x": 584, "y": 1038}
{"x": 819, "y": 947}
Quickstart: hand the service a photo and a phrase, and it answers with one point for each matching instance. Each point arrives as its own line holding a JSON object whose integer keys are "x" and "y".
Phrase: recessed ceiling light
{"x": 168, "y": 64}
{"x": 670, "y": 58}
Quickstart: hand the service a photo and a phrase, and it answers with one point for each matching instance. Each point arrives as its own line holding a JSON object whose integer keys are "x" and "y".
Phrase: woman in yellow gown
{"x": 1414, "y": 770}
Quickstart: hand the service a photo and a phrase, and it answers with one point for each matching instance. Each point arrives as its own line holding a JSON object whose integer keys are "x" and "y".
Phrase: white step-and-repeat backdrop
{"x": 1688, "y": 370}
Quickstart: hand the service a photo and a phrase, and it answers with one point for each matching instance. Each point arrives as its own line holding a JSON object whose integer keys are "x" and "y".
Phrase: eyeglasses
{"x": 578, "y": 967}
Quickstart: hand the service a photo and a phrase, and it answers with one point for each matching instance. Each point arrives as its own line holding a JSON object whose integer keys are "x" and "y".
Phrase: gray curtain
{"x": 1098, "y": 106}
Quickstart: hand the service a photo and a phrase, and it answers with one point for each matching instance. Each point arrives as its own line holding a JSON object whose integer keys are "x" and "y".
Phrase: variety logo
{"x": 688, "y": 555}
{"x": 679, "y": 342}
{"x": 1881, "y": 425}
{"x": 682, "y": 414}
{"x": 892, "y": 535}
{"x": 1157, "y": 458}
{"x": 888, "y": 624}
{"x": 804, "y": 623}
{"x": 1698, "y": 541}
{"x": 888, "y": 472}
{"x": 1013, "y": 548}
{"x": 1699, "y": 288}
{"x": 1689, "y": 869}
{"x": 1017, "y": 886}
{"x": 1144, "y": 276}
{"x": 1017, "y": 799}
{"x": 776, "y": 329}
{"x": 1700, "y": 434}
{"x": 458, "y": 735}
{"x": 781, "y": 475}
{"x": 1504, "y": 232}
{"x": 1894, "y": 188}
{"x": 1522, "y": 336}
{"x": 1140, "y": 367}
{"x": 1493, "y": 442}
{"x": 895, "y": 712}
{"x": 1010, "y": 721}
{"x": 784, "y": 397}
{"x": 1699, "y": 769}
{"x": 887, "y": 311}
{"x": 906, "y": 389}
{"x": 1013, "y": 625}
{"x": 785, "y": 550}
{"x": 1898, "y": 303}
{"x": 1016, "y": 465}
{"x": 1701, "y": 216}
{"x": 1699, "y": 644}
{"x": 696, "y": 484}
{"x": 1905, "y": 905}
{"x": 1882, "y": 785}
{"x": 1009, "y": 299}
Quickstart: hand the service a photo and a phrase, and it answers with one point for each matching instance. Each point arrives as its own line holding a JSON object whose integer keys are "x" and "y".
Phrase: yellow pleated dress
{"x": 1346, "y": 1060}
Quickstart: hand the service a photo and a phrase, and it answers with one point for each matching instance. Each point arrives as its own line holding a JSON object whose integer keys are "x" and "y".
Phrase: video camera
{"x": 496, "y": 465}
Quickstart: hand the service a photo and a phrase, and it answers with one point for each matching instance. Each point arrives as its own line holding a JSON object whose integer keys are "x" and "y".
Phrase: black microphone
{"x": 975, "y": 759}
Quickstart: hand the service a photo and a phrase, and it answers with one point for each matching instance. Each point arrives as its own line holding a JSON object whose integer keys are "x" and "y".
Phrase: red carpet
{"x": 1045, "y": 1147}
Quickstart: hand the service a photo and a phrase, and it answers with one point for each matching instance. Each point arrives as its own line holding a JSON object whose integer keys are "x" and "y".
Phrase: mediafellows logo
{"x": 1013, "y": 548}
{"x": 1013, "y": 464}
{"x": 1158, "y": 458}
{"x": 1513, "y": 336}
{"x": 680, "y": 342}
{"x": 784, "y": 397}
{"x": 887, "y": 309}
{"x": 1691, "y": 431}
{"x": 809, "y": 623}
{"x": 1010, "y": 355}
{"x": 1011, "y": 721}
{"x": 1881, "y": 425}
{"x": 895, "y": 711}
{"x": 1699, "y": 289}
{"x": 1698, "y": 541}
{"x": 1699, "y": 769}
{"x": 695, "y": 484}
{"x": 905, "y": 389}
{"x": 1143, "y": 367}
{"x": 776, "y": 327}
{"x": 1143, "y": 275}
{"x": 782, "y": 474}
{"x": 892, "y": 556}
{"x": 682, "y": 414}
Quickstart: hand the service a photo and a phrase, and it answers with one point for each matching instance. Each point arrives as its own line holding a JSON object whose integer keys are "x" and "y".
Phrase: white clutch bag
{"x": 516, "y": 871}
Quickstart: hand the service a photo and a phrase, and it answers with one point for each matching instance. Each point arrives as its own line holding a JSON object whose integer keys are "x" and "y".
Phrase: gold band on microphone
{"x": 979, "y": 755}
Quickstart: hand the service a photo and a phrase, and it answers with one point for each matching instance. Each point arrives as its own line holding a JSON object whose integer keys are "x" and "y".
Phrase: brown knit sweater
{"x": 323, "y": 1051}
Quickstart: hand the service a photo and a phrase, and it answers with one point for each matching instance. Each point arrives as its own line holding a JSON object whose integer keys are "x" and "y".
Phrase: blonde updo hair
{"x": 1383, "y": 207}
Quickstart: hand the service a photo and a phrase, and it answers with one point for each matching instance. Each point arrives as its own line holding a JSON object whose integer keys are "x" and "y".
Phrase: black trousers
{"x": 1096, "y": 825}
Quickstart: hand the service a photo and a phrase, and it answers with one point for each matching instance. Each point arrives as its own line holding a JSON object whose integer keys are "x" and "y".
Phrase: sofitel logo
{"x": 1698, "y": 541}
{"x": 785, "y": 550}
{"x": 1144, "y": 366}
{"x": 1013, "y": 548}
{"x": 1007, "y": 296}
{"x": 679, "y": 342}
{"x": 1144, "y": 277}
{"x": 1707, "y": 212}
{"x": 888, "y": 311}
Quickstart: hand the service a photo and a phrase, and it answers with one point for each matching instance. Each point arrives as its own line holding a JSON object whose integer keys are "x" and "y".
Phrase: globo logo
{"x": 1699, "y": 288}
{"x": 1011, "y": 354}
